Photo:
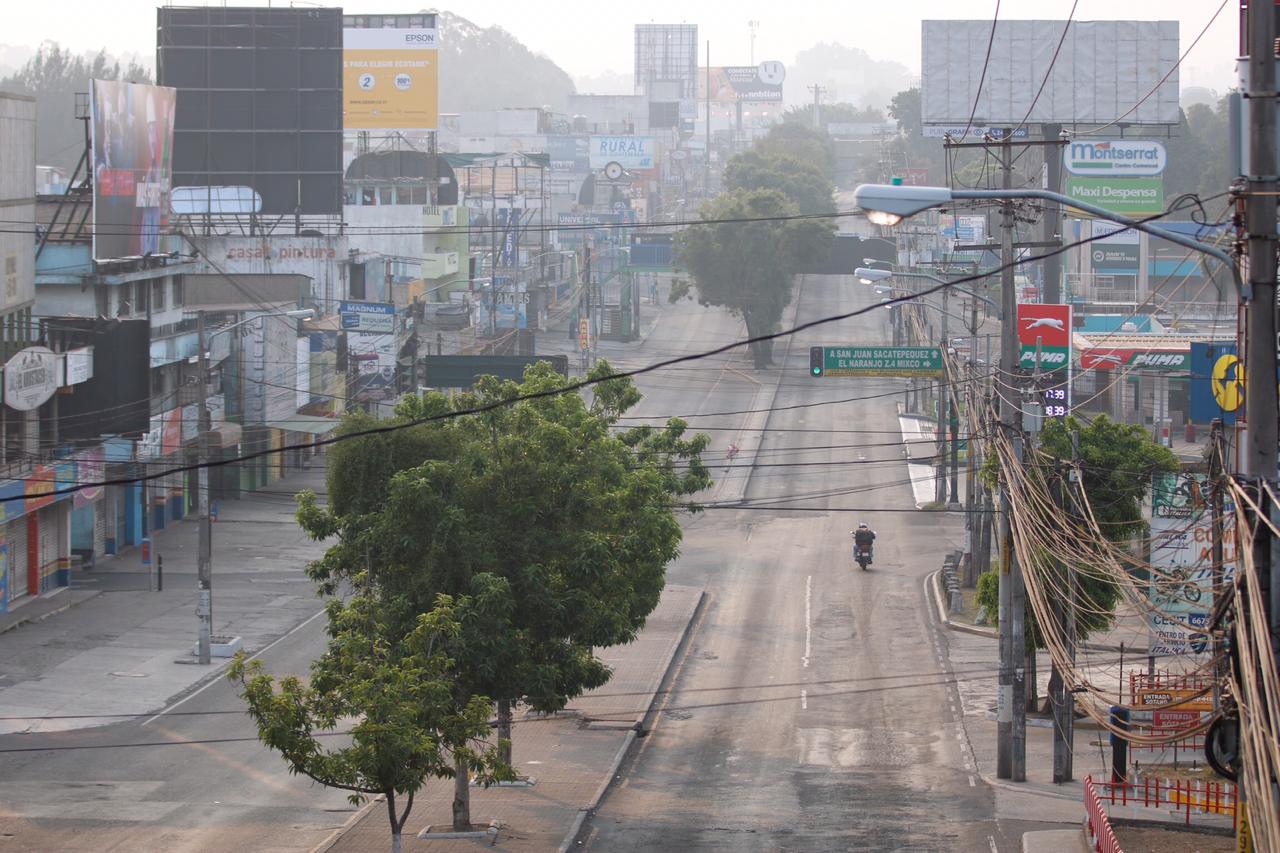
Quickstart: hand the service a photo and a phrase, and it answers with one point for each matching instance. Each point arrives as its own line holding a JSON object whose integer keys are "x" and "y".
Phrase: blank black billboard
{"x": 117, "y": 400}
{"x": 259, "y": 102}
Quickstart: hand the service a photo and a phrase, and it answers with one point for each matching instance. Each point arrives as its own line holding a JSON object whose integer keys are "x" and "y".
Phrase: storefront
{"x": 35, "y": 533}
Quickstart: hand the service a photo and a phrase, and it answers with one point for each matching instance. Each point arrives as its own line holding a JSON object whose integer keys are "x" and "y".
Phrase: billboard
{"x": 1181, "y": 548}
{"x": 1216, "y": 389}
{"x": 1128, "y": 158}
{"x": 1102, "y": 70}
{"x": 730, "y": 84}
{"x": 629, "y": 152}
{"x": 1049, "y": 328}
{"x": 1114, "y": 250}
{"x": 259, "y": 102}
{"x": 390, "y": 79}
{"x": 569, "y": 153}
{"x": 131, "y": 125}
{"x": 1129, "y": 196}
{"x": 666, "y": 61}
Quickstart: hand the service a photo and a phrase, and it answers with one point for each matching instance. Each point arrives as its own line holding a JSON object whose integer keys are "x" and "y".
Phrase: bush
{"x": 989, "y": 594}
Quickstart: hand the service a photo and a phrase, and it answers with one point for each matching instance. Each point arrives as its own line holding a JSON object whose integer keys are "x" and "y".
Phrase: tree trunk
{"x": 504, "y": 730}
{"x": 461, "y": 796}
{"x": 396, "y": 825}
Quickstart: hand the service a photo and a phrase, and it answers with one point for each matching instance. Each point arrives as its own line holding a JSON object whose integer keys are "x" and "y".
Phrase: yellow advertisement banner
{"x": 389, "y": 89}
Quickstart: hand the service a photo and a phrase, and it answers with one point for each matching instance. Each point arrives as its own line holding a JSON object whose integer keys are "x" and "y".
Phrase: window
{"x": 178, "y": 295}
{"x": 386, "y": 195}
{"x": 158, "y": 301}
{"x": 368, "y": 197}
{"x": 140, "y": 289}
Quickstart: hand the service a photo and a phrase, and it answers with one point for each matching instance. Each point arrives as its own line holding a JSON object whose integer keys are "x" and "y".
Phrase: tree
{"x": 398, "y": 688}
{"x": 917, "y": 151}
{"x": 838, "y": 112}
{"x": 790, "y": 139}
{"x": 745, "y": 255}
{"x": 552, "y": 531}
{"x": 803, "y": 183}
{"x": 54, "y": 76}
{"x": 1118, "y": 462}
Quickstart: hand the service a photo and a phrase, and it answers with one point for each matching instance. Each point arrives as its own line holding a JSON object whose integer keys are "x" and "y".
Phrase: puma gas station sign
{"x": 1048, "y": 328}
{"x": 1110, "y": 358}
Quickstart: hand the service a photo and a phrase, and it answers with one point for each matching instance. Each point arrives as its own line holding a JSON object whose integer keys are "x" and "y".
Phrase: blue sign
{"x": 569, "y": 153}
{"x": 13, "y": 503}
{"x": 1205, "y": 356}
{"x": 369, "y": 317}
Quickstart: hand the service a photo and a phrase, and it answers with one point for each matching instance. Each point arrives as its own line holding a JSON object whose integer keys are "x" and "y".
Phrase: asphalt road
{"x": 812, "y": 710}
{"x": 193, "y": 779}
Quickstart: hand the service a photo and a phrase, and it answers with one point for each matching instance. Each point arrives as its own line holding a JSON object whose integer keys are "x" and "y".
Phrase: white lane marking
{"x": 991, "y": 842}
{"x": 808, "y": 621}
{"x": 972, "y": 782}
{"x": 295, "y": 629}
{"x": 804, "y": 700}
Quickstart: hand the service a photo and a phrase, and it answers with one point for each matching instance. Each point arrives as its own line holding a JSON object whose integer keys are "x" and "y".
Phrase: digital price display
{"x": 1055, "y": 403}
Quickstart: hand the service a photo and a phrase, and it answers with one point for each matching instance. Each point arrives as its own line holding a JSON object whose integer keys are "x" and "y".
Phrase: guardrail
{"x": 1180, "y": 795}
{"x": 1101, "y": 836}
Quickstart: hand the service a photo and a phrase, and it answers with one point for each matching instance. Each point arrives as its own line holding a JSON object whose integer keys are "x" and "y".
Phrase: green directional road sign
{"x": 875, "y": 361}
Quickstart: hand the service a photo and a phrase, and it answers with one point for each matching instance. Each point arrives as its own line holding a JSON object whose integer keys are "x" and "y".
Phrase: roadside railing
{"x": 1188, "y": 796}
{"x": 1101, "y": 837}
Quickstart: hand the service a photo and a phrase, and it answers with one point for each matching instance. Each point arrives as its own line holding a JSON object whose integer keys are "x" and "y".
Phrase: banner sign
{"x": 365, "y": 317}
{"x": 390, "y": 79}
{"x": 569, "y": 153}
{"x": 131, "y": 125}
{"x": 732, "y": 84}
{"x": 1181, "y": 549}
{"x": 1216, "y": 389}
{"x": 1130, "y": 196}
{"x": 1129, "y": 158}
{"x": 629, "y": 152}
{"x": 1114, "y": 250}
{"x": 1049, "y": 326}
{"x": 1109, "y": 358}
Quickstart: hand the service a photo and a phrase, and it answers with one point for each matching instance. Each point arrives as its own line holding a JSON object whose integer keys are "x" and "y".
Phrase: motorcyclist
{"x": 863, "y": 537}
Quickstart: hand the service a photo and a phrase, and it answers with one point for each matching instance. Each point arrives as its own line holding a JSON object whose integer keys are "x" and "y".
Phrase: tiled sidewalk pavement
{"x": 569, "y": 755}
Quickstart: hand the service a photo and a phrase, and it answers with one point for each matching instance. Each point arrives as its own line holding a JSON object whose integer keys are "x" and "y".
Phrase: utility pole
{"x": 1060, "y": 697}
{"x": 1217, "y": 458}
{"x": 1260, "y": 330}
{"x": 1011, "y": 711}
{"x": 1052, "y": 214}
{"x": 940, "y": 492}
{"x": 204, "y": 559}
{"x": 706, "y": 160}
{"x": 818, "y": 91}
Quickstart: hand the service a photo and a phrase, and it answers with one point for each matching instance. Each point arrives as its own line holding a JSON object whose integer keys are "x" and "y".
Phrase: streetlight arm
{"x": 1246, "y": 292}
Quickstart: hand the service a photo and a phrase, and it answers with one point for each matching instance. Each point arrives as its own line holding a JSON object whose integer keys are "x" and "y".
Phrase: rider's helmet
{"x": 863, "y": 526}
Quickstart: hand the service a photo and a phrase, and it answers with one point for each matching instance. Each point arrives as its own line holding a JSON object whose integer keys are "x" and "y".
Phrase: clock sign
{"x": 771, "y": 73}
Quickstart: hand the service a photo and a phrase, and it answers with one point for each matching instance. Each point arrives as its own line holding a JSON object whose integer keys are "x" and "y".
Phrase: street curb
{"x": 673, "y": 652}
{"x": 356, "y": 817}
{"x": 932, "y": 581}
{"x": 92, "y": 594}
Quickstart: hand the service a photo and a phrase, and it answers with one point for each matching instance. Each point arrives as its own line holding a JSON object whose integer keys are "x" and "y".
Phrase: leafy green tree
{"x": 551, "y": 528}
{"x": 917, "y": 150}
{"x": 745, "y": 255}
{"x": 791, "y": 139}
{"x": 54, "y": 76}
{"x": 837, "y": 112}
{"x": 396, "y": 688}
{"x": 1118, "y": 462}
{"x": 802, "y": 183}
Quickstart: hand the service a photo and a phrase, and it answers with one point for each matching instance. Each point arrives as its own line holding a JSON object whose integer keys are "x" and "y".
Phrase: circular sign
{"x": 613, "y": 171}
{"x": 771, "y": 73}
{"x": 30, "y": 378}
{"x": 1099, "y": 256}
{"x": 403, "y": 82}
{"x": 1227, "y": 382}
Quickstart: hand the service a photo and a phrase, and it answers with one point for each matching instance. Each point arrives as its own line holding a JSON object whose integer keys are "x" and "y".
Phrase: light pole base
{"x": 955, "y": 505}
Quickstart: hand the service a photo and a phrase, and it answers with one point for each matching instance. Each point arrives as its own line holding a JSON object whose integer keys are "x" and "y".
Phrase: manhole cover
{"x": 129, "y": 674}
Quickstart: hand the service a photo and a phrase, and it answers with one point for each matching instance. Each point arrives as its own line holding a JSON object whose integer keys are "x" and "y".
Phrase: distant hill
{"x": 484, "y": 68}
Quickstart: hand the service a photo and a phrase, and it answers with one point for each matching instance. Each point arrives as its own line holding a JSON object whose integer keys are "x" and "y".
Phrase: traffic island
{"x": 477, "y": 832}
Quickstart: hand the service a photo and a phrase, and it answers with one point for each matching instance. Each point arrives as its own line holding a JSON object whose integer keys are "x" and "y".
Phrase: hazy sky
{"x": 588, "y": 37}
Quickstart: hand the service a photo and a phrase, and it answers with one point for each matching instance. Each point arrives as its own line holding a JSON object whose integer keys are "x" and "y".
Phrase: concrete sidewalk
{"x": 123, "y": 650}
{"x": 573, "y": 756}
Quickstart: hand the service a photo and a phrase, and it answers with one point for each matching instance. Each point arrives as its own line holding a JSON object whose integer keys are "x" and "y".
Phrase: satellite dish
{"x": 613, "y": 171}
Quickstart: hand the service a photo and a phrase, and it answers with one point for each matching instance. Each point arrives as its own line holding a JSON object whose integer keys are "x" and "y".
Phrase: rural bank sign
{"x": 1115, "y": 158}
{"x": 629, "y": 152}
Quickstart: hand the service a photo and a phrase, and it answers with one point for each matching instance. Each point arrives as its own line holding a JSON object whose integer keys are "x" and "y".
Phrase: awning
{"x": 310, "y": 424}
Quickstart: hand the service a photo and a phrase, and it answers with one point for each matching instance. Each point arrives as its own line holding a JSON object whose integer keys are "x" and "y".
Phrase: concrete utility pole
{"x": 706, "y": 159}
{"x": 1261, "y": 185}
{"x": 204, "y": 558}
{"x": 1052, "y": 213}
{"x": 1011, "y": 711}
{"x": 940, "y": 491}
{"x": 1217, "y": 459}
{"x": 1260, "y": 330}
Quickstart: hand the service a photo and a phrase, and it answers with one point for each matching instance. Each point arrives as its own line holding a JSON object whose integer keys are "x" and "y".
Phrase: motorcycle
{"x": 862, "y": 555}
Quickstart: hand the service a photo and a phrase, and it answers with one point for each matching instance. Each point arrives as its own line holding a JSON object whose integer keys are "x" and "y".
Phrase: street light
{"x": 204, "y": 553}
{"x": 889, "y": 204}
{"x": 869, "y": 276}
